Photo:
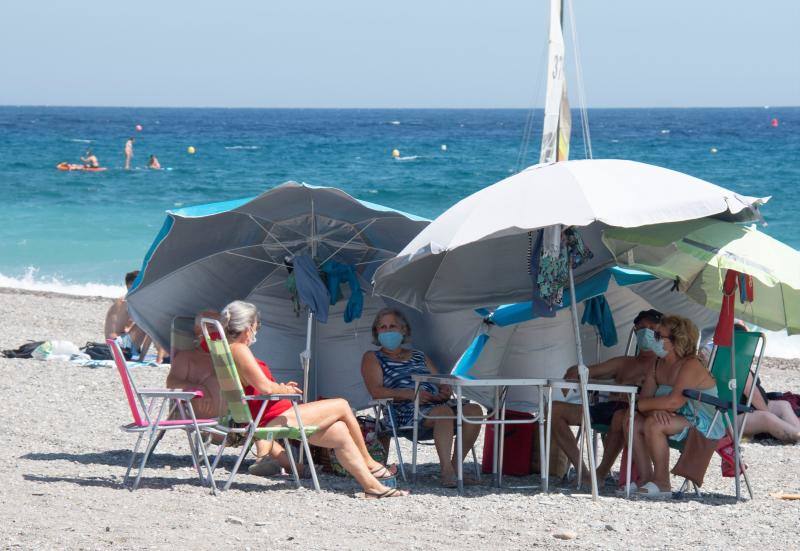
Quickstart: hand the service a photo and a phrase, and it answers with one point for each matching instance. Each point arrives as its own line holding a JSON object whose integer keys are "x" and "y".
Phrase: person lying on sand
{"x": 775, "y": 417}
{"x": 387, "y": 374}
{"x": 337, "y": 426}
{"x": 625, "y": 370}
{"x": 131, "y": 338}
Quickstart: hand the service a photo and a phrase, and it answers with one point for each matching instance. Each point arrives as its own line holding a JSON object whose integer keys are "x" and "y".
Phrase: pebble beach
{"x": 63, "y": 459}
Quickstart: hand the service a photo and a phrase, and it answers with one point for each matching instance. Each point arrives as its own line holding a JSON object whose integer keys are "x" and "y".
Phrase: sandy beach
{"x": 64, "y": 456}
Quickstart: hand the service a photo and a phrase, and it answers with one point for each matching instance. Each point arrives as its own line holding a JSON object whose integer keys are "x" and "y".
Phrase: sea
{"x": 78, "y": 232}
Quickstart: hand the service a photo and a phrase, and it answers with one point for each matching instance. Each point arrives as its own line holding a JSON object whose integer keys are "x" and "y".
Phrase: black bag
{"x": 101, "y": 351}
{"x": 23, "y": 351}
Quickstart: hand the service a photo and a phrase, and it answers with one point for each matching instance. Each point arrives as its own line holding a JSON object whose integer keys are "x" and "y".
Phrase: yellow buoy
{"x": 395, "y": 153}
{"x": 190, "y": 150}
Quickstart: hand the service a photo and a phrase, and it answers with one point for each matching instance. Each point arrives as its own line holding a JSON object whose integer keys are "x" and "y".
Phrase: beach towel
{"x": 596, "y": 312}
{"x": 310, "y": 288}
{"x": 337, "y": 273}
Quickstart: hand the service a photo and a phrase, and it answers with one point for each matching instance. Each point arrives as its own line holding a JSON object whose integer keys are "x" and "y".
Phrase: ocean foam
{"x": 30, "y": 282}
{"x": 247, "y": 147}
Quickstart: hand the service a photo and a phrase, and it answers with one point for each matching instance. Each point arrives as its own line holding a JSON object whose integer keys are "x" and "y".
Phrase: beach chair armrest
{"x": 170, "y": 393}
{"x": 262, "y": 397}
{"x": 714, "y": 401}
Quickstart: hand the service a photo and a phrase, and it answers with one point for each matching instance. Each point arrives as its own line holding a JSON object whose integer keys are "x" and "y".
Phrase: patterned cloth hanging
{"x": 549, "y": 273}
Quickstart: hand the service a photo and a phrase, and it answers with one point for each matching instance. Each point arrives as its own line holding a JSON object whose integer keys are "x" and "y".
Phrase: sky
{"x": 380, "y": 54}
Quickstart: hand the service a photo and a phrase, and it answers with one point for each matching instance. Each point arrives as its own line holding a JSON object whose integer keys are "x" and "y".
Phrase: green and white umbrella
{"x": 697, "y": 253}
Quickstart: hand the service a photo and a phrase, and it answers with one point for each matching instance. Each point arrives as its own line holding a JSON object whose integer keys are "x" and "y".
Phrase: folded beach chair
{"x": 144, "y": 424}
{"x": 240, "y": 421}
{"x": 386, "y": 423}
{"x": 748, "y": 352}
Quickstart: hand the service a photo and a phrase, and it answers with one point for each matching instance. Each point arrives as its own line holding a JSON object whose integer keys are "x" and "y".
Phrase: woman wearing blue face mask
{"x": 667, "y": 413}
{"x": 388, "y": 373}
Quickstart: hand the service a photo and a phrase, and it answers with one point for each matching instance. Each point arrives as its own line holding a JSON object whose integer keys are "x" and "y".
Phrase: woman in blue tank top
{"x": 388, "y": 373}
{"x": 666, "y": 412}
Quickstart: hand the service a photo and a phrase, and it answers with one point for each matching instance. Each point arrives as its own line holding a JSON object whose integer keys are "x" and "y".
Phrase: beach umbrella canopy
{"x": 697, "y": 254}
{"x": 477, "y": 252}
{"x": 209, "y": 255}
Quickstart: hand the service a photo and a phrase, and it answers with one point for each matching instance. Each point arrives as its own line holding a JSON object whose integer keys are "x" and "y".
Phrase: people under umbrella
{"x": 665, "y": 364}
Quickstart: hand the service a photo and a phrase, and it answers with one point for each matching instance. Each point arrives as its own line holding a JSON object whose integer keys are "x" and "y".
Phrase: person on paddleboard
{"x": 90, "y": 160}
{"x": 128, "y": 153}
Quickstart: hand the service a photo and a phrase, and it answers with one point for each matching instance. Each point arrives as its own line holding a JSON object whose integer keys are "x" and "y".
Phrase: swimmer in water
{"x": 153, "y": 163}
{"x": 90, "y": 161}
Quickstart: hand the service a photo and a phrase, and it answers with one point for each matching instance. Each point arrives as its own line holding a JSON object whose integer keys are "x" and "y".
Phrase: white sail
{"x": 557, "y": 120}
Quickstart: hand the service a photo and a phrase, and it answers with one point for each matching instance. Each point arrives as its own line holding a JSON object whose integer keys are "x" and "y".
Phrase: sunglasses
{"x": 659, "y": 336}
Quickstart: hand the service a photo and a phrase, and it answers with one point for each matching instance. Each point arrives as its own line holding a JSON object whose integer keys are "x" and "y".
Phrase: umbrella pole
{"x": 305, "y": 363}
{"x": 583, "y": 377}
{"x": 305, "y": 355}
{"x": 735, "y": 409}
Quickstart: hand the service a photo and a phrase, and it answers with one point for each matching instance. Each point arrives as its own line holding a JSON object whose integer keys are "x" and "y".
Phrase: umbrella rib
{"x": 348, "y": 241}
{"x": 269, "y": 233}
{"x": 256, "y": 259}
{"x": 274, "y": 223}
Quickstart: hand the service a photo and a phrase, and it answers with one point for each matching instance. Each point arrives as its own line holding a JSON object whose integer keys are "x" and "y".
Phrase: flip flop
{"x": 391, "y": 492}
{"x": 382, "y": 472}
{"x": 651, "y": 491}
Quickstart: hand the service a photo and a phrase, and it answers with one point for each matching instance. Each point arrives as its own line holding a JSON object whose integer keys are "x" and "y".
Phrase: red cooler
{"x": 518, "y": 447}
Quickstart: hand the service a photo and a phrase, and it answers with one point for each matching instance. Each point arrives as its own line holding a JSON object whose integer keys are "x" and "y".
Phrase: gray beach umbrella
{"x": 209, "y": 255}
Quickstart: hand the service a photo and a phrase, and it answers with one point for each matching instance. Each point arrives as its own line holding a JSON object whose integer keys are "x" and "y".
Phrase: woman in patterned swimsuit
{"x": 387, "y": 373}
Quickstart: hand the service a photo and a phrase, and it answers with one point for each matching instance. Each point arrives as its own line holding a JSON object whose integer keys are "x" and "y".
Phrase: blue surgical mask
{"x": 390, "y": 340}
{"x": 645, "y": 338}
{"x": 658, "y": 348}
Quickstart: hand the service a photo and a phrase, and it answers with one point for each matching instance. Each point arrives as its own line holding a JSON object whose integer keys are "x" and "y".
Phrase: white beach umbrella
{"x": 475, "y": 253}
{"x": 478, "y": 252}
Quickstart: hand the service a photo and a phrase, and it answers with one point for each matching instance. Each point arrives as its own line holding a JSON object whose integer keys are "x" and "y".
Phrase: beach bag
{"x": 24, "y": 351}
{"x": 374, "y": 447}
{"x": 695, "y": 457}
{"x": 727, "y": 454}
{"x": 101, "y": 351}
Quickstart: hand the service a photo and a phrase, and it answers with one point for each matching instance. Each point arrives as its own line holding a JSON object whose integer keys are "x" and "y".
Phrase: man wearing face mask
{"x": 624, "y": 370}
{"x": 388, "y": 373}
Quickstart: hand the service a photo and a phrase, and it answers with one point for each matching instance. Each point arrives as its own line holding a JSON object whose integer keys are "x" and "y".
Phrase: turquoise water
{"x": 80, "y": 229}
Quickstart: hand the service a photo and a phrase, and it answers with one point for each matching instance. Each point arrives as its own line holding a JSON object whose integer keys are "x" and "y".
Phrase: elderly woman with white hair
{"x": 337, "y": 426}
{"x": 388, "y": 373}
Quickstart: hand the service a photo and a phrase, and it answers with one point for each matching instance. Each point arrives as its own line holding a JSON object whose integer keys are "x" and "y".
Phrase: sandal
{"x": 382, "y": 472}
{"x": 391, "y": 492}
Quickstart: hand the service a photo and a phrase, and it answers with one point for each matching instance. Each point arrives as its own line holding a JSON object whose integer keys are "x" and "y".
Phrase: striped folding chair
{"x": 144, "y": 424}
{"x": 239, "y": 419}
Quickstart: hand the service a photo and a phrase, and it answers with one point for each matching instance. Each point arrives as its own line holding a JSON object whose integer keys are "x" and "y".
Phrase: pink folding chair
{"x": 144, "y": 424}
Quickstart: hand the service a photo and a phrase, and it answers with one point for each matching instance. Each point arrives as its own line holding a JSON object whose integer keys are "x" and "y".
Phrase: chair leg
{"x": 397, "y": 444}
{"x": 133, "y": 457}
{"x": 245, "y": 447}
{"x": 747, "y": 481}
{"x": 305, "y": 447}
{"x": 145, "y": 457}
{"x": 193, "y": 449}
{"x": 475, "y": 462}
{"x": 287, "y": 445}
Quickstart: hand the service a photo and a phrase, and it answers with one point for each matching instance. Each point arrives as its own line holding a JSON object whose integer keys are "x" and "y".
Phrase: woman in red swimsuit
{"x": 337, "y": 426}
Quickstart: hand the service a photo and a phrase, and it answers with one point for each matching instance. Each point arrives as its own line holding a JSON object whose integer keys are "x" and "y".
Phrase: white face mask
{"x": 253, "y": 338}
